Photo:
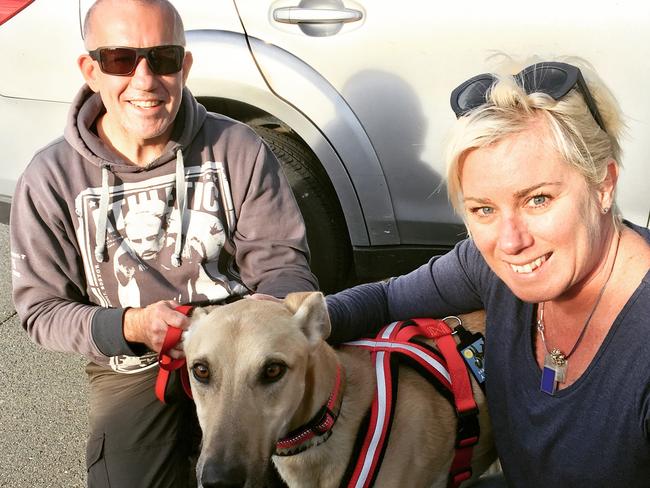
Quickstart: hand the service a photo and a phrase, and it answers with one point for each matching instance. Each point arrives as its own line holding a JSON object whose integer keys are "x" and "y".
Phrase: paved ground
{"x": 43, "y": 403}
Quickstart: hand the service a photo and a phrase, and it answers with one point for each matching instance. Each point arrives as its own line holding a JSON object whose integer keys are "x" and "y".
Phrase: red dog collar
{"x": 319, "y": 428}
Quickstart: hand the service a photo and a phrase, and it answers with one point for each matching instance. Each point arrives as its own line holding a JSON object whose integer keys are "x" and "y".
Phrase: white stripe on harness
{"x": 397, "y": 347}
{"x": 380, "y": 422}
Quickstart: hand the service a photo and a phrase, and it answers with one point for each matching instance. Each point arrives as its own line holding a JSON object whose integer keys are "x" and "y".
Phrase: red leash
{"x": 167, "y": 363}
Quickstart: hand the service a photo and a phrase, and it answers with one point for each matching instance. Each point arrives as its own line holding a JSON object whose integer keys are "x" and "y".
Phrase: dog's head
{"x": 249, "y": 367}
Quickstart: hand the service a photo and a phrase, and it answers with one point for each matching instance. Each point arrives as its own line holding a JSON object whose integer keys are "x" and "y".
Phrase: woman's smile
{"x": 529, "y": 267}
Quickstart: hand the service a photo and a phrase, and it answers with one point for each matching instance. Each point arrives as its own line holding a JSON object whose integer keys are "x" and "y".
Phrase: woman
{"x": 533, "y": 162}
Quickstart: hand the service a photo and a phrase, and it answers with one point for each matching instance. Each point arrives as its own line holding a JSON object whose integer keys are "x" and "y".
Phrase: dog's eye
{"x": 273, "y": 372}
{"x": 201, "y": 372}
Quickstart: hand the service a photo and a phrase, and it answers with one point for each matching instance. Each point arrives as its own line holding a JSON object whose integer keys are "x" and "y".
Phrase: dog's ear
{"x": 197, "y": 314}
{"x": 310, "y": 311}
{"x": 200, "y": 312}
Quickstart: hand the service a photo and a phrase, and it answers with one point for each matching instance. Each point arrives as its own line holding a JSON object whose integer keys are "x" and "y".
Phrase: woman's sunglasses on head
{"x": 122, "y": 61}
{"x": 554, "y": 79}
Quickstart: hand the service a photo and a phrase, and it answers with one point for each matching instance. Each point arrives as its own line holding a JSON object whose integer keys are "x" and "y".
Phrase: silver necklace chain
{"x": 558, "y": 356}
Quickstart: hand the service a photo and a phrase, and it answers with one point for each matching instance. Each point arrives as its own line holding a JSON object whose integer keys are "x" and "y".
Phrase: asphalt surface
{"x": 43, "y": 403}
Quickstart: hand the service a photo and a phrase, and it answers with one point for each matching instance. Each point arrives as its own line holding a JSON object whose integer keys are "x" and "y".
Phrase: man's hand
{"x": 149, "y": 325}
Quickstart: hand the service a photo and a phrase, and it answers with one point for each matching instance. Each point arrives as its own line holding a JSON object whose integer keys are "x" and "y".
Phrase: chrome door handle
{"x": 298, "y": 15}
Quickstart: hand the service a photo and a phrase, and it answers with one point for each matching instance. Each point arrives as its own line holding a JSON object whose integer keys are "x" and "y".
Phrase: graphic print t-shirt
{"x": 142, "y": 230}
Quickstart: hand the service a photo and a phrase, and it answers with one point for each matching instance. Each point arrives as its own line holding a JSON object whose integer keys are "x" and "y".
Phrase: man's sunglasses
{"x": 122, "y": 61}
{"x": 554, "y": 79}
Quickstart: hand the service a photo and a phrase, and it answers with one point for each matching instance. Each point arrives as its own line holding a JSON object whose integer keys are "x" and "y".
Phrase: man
{"x": 146, "y": 201}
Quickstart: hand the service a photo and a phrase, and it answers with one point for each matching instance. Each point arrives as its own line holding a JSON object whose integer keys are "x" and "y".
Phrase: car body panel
{"x": 369, "y": 96}
{"x": 239, "y": 79}
{"x": 36, "y": 91}
{"x": 302, "y": 87}
{"x": 397, "y": 65}
{"x": 41, "y": 46}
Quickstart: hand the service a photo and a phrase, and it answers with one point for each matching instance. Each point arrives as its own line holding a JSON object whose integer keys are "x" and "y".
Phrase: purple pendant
{"x": 549, "y": 383}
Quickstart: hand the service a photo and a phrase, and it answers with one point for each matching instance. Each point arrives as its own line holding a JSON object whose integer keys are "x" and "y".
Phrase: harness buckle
{"x": 460, "y": 475}
{"x": 468, "y": 429}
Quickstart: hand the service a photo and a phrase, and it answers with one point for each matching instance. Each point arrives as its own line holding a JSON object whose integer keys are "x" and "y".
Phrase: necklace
{"x": 555, "y": 361}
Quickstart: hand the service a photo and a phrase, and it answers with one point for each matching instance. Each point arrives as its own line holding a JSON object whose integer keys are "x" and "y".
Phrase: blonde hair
{"x": 575, "y": 134}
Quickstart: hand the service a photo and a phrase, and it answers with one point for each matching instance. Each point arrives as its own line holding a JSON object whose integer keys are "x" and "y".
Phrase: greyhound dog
{"x": 259, "y": 369}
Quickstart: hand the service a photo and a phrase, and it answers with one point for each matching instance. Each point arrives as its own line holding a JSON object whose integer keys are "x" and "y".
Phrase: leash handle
{"x": 167, "y": 364}
{"x": 172, "y": 337}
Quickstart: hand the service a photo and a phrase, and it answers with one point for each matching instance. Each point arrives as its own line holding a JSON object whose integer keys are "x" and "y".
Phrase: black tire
{"x": 327, "y": 234}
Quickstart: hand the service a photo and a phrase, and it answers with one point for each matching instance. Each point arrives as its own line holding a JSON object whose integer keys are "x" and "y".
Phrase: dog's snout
{"x": 216, "y": 475}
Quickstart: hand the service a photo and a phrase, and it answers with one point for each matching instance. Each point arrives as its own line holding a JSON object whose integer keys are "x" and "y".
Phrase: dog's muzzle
{"x": 215, "y": 475}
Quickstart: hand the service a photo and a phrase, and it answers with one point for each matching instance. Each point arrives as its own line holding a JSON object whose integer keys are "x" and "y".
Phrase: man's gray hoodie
{"x": 92, "y": 234}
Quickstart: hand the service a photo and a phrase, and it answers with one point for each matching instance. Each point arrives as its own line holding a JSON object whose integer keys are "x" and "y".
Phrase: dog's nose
{"x": 219, "y": 476}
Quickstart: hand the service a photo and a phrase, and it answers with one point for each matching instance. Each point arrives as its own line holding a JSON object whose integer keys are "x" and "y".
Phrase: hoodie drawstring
{"x": 180, "y": 198}
{"x": 226, "y": 199}
{"x": 102, "y": 216}
{"x": 100, "y": 231}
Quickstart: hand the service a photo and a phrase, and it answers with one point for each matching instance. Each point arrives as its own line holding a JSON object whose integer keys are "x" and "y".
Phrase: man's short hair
{"x": 179, "y": 30}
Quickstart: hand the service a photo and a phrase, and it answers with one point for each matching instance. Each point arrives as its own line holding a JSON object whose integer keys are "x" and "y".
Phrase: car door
{"x": 395, "y": 64}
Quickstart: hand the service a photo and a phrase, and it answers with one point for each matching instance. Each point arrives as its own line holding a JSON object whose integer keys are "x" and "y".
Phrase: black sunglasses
{"x": 122, "y": 61}
{"x": 554, "y": 79}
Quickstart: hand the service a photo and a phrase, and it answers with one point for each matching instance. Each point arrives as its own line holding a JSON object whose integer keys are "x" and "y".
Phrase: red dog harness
{"x": 450, "y": 372}
{"x": 167, "y": 363}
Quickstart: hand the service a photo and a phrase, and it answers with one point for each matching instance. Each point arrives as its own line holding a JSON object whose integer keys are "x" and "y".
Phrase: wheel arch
{"x": 235, "y": 87}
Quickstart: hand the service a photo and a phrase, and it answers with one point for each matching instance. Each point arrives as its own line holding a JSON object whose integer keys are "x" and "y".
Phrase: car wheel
{"x": 327, "y": 234}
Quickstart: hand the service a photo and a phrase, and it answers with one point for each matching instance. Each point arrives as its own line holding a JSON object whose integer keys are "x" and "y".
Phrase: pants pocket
{"x": 96, "y": 463}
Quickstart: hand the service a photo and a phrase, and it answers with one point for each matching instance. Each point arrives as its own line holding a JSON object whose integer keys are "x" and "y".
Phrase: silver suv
{"x": 352, "y": 96}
